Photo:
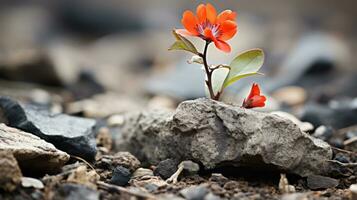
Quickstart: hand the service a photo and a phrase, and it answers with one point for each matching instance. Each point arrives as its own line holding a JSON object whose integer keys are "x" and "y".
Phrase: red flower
{"x": 254, "y": 99}
{"x": 210, "y": 27}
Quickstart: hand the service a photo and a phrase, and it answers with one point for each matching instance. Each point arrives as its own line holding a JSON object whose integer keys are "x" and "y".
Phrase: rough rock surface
{"x": 32, "y": 153}
{"x": 215, "y": 134}
{"x": 10, "y": 173}
{"x": 73, "y": 135}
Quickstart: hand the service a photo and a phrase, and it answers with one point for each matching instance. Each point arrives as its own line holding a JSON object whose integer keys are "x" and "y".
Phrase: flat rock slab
{"x": 32, "y": 153}
{"x": 216, "y": 134}
{"x": 73, "y": 135}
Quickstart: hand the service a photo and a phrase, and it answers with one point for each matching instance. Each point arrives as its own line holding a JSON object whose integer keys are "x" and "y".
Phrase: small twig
{"x": 119, "y": 189}
{"x": 81, "y": 159}
{"x": 350, "y": 141}
{"x": 344, "y": 151}
{"x": 343, "y": 164}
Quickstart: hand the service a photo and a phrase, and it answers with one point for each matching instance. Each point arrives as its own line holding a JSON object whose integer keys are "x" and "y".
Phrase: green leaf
{"x": 183, "y": 44}
{"x": 218, "y": 77}
{"x": 244, "y": 65}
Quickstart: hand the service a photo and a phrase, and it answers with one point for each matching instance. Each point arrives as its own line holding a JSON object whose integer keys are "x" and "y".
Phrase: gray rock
{"x": 315, "y": 182}
{"x": 215, "y": 134}
{"x": 189, "y": 167}
{"x": 32, "y": 153}
{"x": 194, "y": 192}
{"x": 73, "y": 135}
{"x": 75, "y": 192}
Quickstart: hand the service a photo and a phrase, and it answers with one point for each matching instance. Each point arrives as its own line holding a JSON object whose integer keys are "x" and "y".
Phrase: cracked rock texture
{"x": 215, "y": 134}
{"x": 31, "y": 152}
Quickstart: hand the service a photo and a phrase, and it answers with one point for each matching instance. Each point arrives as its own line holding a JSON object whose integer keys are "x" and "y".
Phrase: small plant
{"x": 218, "y": 29}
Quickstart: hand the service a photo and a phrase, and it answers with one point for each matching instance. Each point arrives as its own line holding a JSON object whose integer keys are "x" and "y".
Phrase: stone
{"x": 316, "y": 182}
{"x": 124, "y": 159}
{"x": 194, "y": 192}
{"x": 218, "y": 178}
{"x": 189, "y": 167}
{"x": 10, "y": 173}
{"x": 142, "y": 172}
{"x": 70, "y": 191}
{"x": 32, "y": 153}
{"x": 211, "y": 196}
{"x": 324, "y": 132}
{"x": 74, "y": 135}
{"x": 337, "y": 117}
{"x": 121, "y": 176}
{"x": 216, "y": 134}
{"x": 166, "y": 168}
{"x": 29, "y": 182}
{"x": 353, "y": 189}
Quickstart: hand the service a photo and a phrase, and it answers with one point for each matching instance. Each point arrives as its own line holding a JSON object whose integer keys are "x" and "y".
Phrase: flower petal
{"x": 227, "y": 35}
{"x": 254, "y": 91}
{"x": 189, "y": 21}
{"x": 227, "y": 26}
{"x": 258, "y": 101}
{"x": 201, "y": 13}
{"x": 211, "y": 13}
{"x": 226, "y": 15}
{"x": 184, "y": 32}
{"x": 222, "y": 46}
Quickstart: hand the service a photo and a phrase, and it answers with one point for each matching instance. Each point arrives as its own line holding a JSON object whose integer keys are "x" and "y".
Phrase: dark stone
{"x": 121, "y": 176}
{"x": 73, "y": 135}
{"x": 336, "y": 117}
{"x": 71, "y": 191}
{"x": 315, "y": 182}
{"x": 86, "y": 86}
{"x": 342, "y": 158}
{"x": 194, "y": 192}
{"x": 166, "y": 168}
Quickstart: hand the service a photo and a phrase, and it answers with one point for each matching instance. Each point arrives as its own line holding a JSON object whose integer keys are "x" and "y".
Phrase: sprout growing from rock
{"x": 217, "y": 29}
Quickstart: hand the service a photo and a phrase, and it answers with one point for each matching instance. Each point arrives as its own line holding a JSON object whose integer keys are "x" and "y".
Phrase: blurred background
{"x": 98, "y": 58}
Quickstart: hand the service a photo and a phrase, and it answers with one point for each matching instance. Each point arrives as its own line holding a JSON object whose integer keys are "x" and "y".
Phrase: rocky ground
{"x": 95, "y": 108}
{"x": 202, "y": 150}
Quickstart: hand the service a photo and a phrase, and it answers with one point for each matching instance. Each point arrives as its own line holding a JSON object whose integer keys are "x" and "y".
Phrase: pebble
{"x": 71, "y": 191}
{"x": 353, "y": 189}
{"x": 142, "y": 172}
{"x": 121, "y": 176}
{"x": 166, "y": 168}
{"x": 28, "y": 182}
{"x": 194, "y": 192}
{"x": 315, "y": 182}
{"x": 324, "y": 132}
{"x": 189, "y": 167}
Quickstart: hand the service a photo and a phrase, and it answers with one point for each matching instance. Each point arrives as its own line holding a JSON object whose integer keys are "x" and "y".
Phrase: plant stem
{"x": 208, "y": 73}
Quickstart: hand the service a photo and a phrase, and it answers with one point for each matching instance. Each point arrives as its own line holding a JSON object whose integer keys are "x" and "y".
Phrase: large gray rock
{"x": 74, "y": 135}
{"x": 215, "y": 134}
{"x": 32, "y": 153}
